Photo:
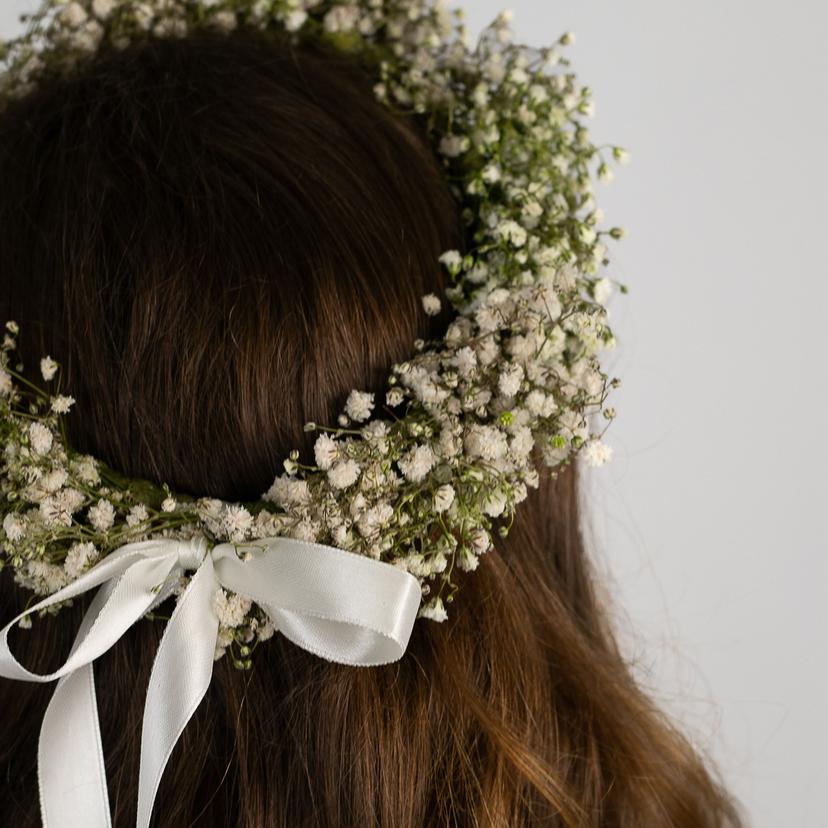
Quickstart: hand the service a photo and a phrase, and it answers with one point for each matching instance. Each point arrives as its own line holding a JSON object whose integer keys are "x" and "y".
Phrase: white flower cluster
{"x": 509, "y": 389}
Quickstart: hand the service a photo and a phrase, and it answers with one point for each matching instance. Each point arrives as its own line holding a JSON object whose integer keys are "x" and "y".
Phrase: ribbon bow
{"x": 344, "y": 607}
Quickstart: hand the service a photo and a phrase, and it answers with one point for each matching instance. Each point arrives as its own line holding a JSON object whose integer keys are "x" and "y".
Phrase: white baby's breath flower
{"x": 137, "y": 515}
{"x": 376, "y": 431}
{"x": 553, "y": 455}
{"x": 102, "y": 8}
{"x": 374, "y": 519}
{"x": 79, "y": 557}
{"x": 466, "y": 361}
{"x": 414, "y": 564}
{"x": 493, "y": 68}
{"x": 57, "y": 509}
{"x": 143, "y": 15}
{"x": 14, "y": 526}
{"x": 452, "y": 260}
{"x": 343, "y": 473}
{"x": 417, "y": 463}
{"x": 6, "y": 384}
{"x": 40, "y": 437}
{"x": 295, "y": 20}
{"x": 597, "y": 453}
{"x": 48, "y": 578}
{"x": 237, "y": 523}
{"x": 520, "y": 492}
{"x": 341, "y": 19}
{"x": 510, "y": 380}
{"x": 170, "y": 27}
{"x": 101, "y": 515}
{"x": 305, "y": 530}
{"x": 521, "y": 348}
{"x": 512, "y": 232}
{"x": 265, "y": 631}
{"x": 491, "y": 173}
{"x": 287, "y": 491}
{"x": 31, "y": 474}
{"x": 487, "y": 442}
{"x": 449, "y": 444}
{"x": 53, "y": 480}
{"x": 488, "y": 320}
{"x": 265, "y": 524}
{"x": 325, "y": 450}
{"x": 521, "y": 443}
{"x": 394, "y": 397}
{"x": 62, "y": 404}
{"x": 48, "y": 368}
{"x": 519, "y": 76}
{"x": 587, "y": 234}
{"x": 454, "y": 145}
{"x": 535, "y": 401}
{"x": 86, "y": 470}
{"x": 443, "y": 498}
{"x": 169, "y": 504}
{"x": 481, "y": 541}
{"x": 437, "y": 563}
{"x": 532, "y": 478}
{"x": 494, "y": 503}
{"x": 73, "y": 15}
{"x": 602, "y": 290}
{"x": 497, "y": 297}
{"x": 224, "y": 20}
{"x": 342, "y": 537}
{"x": 223, "y": 640}
{"x": 434, "y": 610}
{"x": 359, "y": 405}
{"x": 431, "y": 304}
{"x": 230, "y": 608}
{"x": 467, "y": 560}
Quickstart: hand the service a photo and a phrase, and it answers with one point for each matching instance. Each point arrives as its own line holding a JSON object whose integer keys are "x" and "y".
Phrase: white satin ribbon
{"x": 344, "y": 607}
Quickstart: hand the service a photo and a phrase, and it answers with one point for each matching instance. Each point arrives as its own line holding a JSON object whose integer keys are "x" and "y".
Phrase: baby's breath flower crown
{"x": 423, "y": 475}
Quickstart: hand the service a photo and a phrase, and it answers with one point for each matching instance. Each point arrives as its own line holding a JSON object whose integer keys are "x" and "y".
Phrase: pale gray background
{"x": 709, "y": 523}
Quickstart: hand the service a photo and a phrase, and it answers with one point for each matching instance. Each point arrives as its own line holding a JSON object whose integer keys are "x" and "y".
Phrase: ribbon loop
{"x": 339, "y": 605}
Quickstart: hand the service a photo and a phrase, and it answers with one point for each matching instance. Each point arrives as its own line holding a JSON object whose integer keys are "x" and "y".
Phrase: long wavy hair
{"x": 219, "y": 237}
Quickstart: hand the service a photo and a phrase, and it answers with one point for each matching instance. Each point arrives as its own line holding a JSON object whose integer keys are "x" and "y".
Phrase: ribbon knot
{"x": 192, "y": 552}
{"x": 344, "y": 607}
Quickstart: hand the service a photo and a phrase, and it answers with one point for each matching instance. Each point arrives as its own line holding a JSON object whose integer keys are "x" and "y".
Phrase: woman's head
{"x": 219, "y": 237}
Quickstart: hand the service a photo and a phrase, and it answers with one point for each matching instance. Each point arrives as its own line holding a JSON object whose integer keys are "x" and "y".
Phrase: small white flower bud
{"x": 431, "y": 304}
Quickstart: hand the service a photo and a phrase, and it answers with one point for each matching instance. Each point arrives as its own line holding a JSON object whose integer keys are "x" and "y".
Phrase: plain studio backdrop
{"x": 709, "y": 523}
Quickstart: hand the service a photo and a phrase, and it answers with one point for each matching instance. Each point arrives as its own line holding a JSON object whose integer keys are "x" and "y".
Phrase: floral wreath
{"x": 422, "y": 476}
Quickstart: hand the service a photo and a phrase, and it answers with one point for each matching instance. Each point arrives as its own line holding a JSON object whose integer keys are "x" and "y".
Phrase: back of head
{"x": 219, "y": 237}
{"x": 223, "y": 238}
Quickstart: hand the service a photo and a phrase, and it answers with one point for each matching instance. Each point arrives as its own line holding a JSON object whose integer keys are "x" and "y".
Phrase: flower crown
{"x": 419, "y": 476}
{"x": 341, "y": 554}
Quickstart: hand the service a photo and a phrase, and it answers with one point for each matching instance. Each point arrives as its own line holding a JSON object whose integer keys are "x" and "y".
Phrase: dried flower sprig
{"x": 471, "y": 418}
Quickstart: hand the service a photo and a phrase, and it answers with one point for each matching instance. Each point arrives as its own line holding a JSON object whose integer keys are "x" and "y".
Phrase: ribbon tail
{"x": 180, "y": 677}
{"x": 73, "y": 791}
{"x": 70, "y": 762}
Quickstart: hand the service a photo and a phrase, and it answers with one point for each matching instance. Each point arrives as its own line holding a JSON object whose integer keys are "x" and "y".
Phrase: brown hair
{"x": 218, "y": 237}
